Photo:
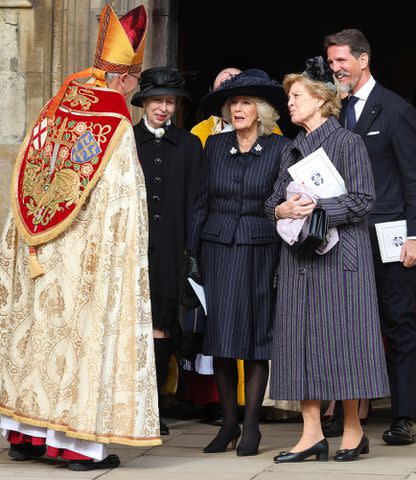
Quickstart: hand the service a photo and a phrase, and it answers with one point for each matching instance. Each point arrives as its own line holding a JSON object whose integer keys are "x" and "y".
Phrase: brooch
{"x": 258, "y": 148}
{"x": 233, "y": 151}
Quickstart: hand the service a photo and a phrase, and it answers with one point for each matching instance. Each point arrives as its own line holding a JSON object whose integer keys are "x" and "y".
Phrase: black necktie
{"x": 351, "y": 118}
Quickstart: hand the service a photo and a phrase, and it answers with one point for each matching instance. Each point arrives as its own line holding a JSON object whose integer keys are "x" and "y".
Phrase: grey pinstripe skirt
{"x": 238, "y": 284}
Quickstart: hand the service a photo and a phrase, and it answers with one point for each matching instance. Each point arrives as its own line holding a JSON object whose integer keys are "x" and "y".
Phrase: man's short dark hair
{"x": 352, "y": 37}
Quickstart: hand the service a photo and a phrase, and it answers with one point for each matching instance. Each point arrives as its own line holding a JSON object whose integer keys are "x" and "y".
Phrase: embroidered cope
{"x": 76, "y": 344}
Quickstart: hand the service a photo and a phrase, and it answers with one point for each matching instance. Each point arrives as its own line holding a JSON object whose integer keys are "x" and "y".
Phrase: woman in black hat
{"x": 237, "y": 247}
{"x": 170, "y": 158}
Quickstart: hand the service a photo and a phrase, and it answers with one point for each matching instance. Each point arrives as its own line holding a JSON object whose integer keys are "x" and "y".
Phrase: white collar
{"x": 158, "y": 132}
{"x": 365, "y": 90}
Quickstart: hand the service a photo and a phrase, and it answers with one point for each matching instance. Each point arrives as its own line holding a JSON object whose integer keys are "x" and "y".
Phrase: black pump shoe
{"x": 320, "y": 450}
{"x": 348, "y": 454}
{"x": 249, "y": 444}
{"x": 224, "y": 438}
{"x": 164, "y": 429}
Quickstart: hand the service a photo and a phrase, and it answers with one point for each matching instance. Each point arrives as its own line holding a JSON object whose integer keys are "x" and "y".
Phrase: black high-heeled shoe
{"x": 225, "y": 437}
{"x": 320, "y": 450}
{"x": 249, "y": 444}
{"x": 348, "y": 454}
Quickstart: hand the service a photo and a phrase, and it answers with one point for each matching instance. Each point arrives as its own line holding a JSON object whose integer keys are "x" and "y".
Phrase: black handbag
{"x": 317, "y": 232}
{"x": 193, "y": 327}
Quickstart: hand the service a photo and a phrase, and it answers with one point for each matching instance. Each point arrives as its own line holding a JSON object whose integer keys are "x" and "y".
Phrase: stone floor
{"x": 181, "y": 458}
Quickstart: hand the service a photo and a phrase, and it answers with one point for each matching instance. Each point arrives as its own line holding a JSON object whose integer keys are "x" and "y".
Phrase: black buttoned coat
{"x": 171, "y": 167}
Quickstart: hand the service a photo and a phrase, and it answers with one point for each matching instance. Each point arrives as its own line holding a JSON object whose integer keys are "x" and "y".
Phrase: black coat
{"x": 171, "y": 167}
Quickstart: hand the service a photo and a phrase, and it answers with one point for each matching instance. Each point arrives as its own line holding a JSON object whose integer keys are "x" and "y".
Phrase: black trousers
{"x": 396, "y": 291}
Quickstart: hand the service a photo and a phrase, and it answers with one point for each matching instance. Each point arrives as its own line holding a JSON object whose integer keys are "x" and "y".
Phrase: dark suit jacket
{"x": 230, "y": 206}
{"x": 388, "y": 128}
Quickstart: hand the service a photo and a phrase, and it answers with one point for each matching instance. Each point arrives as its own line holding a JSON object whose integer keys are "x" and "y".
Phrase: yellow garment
{"x": 76, "y": 345}
{"x": 204, "y": 129}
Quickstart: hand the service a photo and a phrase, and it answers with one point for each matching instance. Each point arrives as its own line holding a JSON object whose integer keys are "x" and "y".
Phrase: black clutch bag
{"x": 317, "y": 233}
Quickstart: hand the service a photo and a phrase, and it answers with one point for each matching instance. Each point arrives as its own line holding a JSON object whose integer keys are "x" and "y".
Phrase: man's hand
{"x": 408, "y": 253}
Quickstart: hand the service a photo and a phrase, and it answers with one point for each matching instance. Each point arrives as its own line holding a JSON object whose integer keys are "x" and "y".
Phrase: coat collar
{"x": 171, "y": 133}
{"x": 308, "y": 144}
{"x": 256, "y": 149}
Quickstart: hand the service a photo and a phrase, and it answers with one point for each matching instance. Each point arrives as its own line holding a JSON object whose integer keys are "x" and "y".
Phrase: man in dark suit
{"x": 387, "y": 124}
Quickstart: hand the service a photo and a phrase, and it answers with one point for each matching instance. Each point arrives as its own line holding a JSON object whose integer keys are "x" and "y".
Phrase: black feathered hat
{"x": 248, "y": 83}
{"x": 160, "y": 81}
{"x": 318, "y": 70}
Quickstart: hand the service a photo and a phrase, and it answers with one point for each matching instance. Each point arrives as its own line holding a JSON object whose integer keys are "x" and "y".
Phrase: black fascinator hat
{"x": 318, "y": 70}
{"x": 160, "y": 81}
{"x": 248, "y": 83}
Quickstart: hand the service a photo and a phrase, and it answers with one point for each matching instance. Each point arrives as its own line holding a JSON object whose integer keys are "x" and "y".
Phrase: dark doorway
{"x": 278, "y": 37}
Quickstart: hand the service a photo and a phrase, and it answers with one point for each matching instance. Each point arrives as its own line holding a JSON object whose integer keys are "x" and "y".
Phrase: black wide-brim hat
{"x": 248, "y": 83}
{"x": 160, "y": 81}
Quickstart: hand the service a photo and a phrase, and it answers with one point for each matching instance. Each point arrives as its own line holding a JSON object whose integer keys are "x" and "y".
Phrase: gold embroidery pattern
{"x": 60, "y": 365}
{"x": 118, "y": 225}
{"x": 18, "y": 288}
{"x": 51, "y": 181}
{"x": 4, "y": 397}
{"x": 91, "y": 257}
{"x": 4, "y": 294}
{"x": 22, "y": 345}
{"x": 28, "y": 402}
{"x": 51, "y": 300}
{"x": 9, "y": 237}
{"x": 142, "y": 351}
{"x": 84, "y": 97}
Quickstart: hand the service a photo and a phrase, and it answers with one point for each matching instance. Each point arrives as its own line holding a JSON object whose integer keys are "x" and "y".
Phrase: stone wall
{"x": 42, "y": 42}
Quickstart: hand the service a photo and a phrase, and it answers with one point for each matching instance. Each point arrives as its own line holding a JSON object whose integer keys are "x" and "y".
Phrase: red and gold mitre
{"x": 120, "y": 42}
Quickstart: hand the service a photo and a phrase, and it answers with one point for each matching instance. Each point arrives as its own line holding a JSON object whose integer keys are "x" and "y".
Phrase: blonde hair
{"x": 332, "y": 103}
{"x": 268, "y": 115}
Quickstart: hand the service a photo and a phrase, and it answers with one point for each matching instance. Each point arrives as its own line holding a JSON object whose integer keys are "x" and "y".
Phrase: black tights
{"x": 256, "y": 373}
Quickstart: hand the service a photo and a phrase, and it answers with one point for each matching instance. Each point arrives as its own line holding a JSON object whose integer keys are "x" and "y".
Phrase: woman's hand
{"x": 295, "y": 208}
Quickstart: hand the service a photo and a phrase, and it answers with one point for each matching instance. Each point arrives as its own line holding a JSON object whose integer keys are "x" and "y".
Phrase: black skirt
{"x": 240, "y": 294}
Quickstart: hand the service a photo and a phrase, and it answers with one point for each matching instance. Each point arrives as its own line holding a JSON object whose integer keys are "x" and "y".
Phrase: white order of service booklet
{"x": 199, "y": 290}
{"x": 391, "y": 237}
{"x": 317, "y": 172}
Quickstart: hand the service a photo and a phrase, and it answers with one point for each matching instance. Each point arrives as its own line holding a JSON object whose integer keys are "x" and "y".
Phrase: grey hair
{"x": 109, "y": 76}
{"x": 268, "y": 115}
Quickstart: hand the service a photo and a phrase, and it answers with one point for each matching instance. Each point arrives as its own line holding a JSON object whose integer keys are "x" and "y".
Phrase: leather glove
{"x": 189, "y": 298}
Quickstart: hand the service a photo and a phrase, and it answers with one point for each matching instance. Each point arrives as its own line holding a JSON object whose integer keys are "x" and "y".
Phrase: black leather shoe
{"x": 249, "y": 444}
{"x": 26, "y": 451}
{"x": 164, "y": 429}
{"x": 401, "y": 432}
{"x": 348, "y": 454}
{"x": 226, "y": 436}
{"x": 112, "y": 461}
{"x": 333, "y": 427}
{"x": 320, "y": 450}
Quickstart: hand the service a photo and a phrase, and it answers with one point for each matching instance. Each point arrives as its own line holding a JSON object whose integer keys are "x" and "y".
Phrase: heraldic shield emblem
{"x": 85, "y": 148}
{"x": 39, "y": 134}
{"x": 62, "y": 159}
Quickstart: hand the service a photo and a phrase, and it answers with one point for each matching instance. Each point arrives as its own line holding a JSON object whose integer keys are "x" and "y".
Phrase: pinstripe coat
{"x": 237, "y": 245}
{"x": 327, "y": 342}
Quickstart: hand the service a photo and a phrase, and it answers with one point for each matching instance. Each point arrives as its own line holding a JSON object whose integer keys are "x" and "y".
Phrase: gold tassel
{"x": 35, "y": 268}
